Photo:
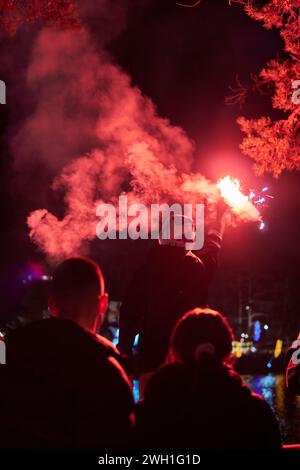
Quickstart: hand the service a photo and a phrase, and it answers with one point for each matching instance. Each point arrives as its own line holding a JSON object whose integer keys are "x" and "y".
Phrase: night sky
{"x": 184, "y": 59}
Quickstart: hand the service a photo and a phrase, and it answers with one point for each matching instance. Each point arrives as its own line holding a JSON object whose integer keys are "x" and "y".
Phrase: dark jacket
{"x": 171, "y": 282}
{"x": 63, "y": 388}
{"x": 293, "y": 367}
{"x": 184, "y": 408}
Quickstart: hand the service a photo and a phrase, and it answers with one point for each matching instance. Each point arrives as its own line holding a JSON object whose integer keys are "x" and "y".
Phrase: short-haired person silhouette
{"x": 197, "y": 401}
{"x": 78, "y": 293}
{"x": 65, "y": 388}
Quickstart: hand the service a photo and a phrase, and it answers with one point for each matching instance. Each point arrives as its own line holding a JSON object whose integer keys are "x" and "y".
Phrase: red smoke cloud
{"x": 85, "y": 101}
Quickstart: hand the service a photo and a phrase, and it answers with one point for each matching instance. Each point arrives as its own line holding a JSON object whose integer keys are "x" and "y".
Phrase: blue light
{"x": 257, "y": 331}
{"x": 136, "y": 392}
{"x": 115, "y": 332}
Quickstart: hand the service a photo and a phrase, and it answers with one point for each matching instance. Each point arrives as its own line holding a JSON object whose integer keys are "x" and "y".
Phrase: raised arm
{"x": 212, "y": 243}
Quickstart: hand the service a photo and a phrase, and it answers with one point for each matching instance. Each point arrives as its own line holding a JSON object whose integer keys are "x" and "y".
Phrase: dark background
{"x": 184, "y": 59}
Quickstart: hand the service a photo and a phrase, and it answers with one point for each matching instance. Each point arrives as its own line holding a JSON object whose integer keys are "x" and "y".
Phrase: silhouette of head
{"x": 199, "y": 333}
{"x": 177, "y": 231}
{"x": 78, "y": 293}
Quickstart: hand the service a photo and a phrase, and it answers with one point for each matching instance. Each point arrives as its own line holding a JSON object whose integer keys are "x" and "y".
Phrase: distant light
{"x": 262, "y": 226}
{"x": 115, "y": 332}
{"x": 265, "y": 189}
{"x": 257, "y": 331}
{"x": 278, "y": 348}
{"x": 247, "y": 307}
{"x": 238, "y": 352}
{"x": 266, "y": 327}
{"x": 246, "y": 335}
{"x": 253, "y": 349}
{"x": 269, "y": 365}
{"x": 45, "y": 277}
{"x": 242, "y": 335}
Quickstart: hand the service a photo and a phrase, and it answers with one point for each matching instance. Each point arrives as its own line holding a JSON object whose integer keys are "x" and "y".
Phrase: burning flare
{"x": 241, "y": 204}
{"x": 231, "y": 193}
